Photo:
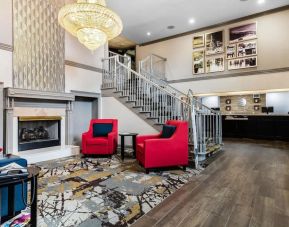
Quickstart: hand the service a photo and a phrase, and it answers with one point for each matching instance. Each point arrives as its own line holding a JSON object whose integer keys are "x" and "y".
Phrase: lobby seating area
{"x": 144, "y": 113}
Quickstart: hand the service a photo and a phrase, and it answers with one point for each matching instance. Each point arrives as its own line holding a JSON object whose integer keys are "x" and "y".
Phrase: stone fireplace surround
{"x": 29, "y": 103}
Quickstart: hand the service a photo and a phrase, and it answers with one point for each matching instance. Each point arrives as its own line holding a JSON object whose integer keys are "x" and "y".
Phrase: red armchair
{"x": 106, "y": 145}
{"x": 154, "y": 151}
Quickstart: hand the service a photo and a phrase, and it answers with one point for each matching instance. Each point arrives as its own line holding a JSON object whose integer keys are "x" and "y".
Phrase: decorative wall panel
{"x": 38, "y": 57}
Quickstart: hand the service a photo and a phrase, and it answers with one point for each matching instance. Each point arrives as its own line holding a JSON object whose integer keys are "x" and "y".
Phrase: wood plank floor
{"x": 247, "y": 185}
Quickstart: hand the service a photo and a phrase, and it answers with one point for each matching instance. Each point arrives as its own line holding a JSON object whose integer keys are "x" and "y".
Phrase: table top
{"x": 33, "y": 172}
{"x": 128, "y": 134}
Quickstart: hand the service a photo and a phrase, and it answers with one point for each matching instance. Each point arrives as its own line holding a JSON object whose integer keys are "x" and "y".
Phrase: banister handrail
{"x": 152, "y": 83}
{"x": 163, "y": 102}
{"x": 189, "y": 95}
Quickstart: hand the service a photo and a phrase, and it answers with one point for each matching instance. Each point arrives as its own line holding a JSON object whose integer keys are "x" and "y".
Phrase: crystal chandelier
{"x": 91, "y": 22}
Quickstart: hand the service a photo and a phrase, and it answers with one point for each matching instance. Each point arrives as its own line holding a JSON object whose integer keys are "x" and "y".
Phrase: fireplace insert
{"x": 38, "y": 132}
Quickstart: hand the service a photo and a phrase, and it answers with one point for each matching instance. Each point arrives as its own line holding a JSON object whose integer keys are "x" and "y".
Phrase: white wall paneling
{"x": 127, "y": 120}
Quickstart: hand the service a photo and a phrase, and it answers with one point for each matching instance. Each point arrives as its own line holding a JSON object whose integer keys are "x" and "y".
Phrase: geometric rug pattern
{"x": 96, "y": 192}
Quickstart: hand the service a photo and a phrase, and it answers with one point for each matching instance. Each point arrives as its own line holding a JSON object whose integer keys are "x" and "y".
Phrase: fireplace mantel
{"x": 33, "y": 94}
{"x": 25, "y": 103}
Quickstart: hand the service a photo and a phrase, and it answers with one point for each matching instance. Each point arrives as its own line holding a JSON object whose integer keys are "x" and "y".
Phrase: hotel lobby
{"x": 144, "y": 113}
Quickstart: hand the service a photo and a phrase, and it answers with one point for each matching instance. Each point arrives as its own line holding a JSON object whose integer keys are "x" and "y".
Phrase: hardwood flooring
{"x": 247, "y": 185}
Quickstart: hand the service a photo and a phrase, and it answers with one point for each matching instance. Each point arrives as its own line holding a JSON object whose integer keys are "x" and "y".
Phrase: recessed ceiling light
{"x": 149, "y": 34}
{"x": 171, "y": 27}
{"x": 192, "y": 20}
{"x": 261, "y": 1}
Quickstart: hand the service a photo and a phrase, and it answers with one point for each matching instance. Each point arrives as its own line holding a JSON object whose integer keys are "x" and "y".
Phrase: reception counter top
{"x": 274, "y": 127}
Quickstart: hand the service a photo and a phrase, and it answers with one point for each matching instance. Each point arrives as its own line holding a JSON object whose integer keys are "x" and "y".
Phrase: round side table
{"x": 122, "y": 143}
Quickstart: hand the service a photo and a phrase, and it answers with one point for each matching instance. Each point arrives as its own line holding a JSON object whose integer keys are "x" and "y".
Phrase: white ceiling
{"x": 142, "y": 16}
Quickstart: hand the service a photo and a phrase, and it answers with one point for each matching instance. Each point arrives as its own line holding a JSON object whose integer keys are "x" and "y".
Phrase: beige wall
{"x": 273, "y": 52}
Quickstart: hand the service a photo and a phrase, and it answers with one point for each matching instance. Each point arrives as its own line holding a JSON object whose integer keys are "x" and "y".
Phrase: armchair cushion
{"x": 97, "y": 141}
{"x": 102, "y": 129}
{"x": 168, "y": 131}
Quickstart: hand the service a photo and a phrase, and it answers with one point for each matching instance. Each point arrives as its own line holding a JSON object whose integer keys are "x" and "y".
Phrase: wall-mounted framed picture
{"x": 242, "y": 63}
{"x": 247, "y": 48}
{"x": 198, "y": 41}
{"x": 199, "y": 62}
{"x": 215, "y": 43}
{"x": 243, "y": 32}
{"x": 215, "y": 64}
{"x": 231, "y": 51}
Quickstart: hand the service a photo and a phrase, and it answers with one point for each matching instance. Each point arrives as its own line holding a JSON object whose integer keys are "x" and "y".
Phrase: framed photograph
{"x": 198, "y": 62}
{"x": 242, "y": 63}
{"x": 231, "y": 51}
{"x": 198, "y": 41}
{"x": 215, "y": 64}
{"x": 215, "y": 43}
{"x": 243, "y": 32}
{"x": 247, "y": 48}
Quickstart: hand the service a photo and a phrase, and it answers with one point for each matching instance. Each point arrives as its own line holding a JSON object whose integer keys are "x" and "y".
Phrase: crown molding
{"x": 6, "y": 47}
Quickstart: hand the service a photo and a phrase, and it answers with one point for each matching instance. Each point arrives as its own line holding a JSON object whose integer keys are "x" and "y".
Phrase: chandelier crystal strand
{"x": 91, "y": 22}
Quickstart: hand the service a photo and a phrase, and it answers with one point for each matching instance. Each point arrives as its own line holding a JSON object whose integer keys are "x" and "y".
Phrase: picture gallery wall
{"x": 212, "y": 50}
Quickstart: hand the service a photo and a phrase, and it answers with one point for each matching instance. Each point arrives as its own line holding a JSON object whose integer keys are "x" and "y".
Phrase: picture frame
{"x": 231, "y": 51}
{"x": 215, "y": 64}
{"x": 198, "y": 41}
{"x": 245, "y": 49}
{"x": 243, "y": 63}
{"x": 199, "y": 62}
{"x": 214, "y": 42}
{"x": 243, "y": 32}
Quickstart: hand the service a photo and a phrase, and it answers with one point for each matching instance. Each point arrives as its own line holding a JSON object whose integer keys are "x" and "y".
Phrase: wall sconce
{"x": 228, "y": 101}
{"x": 256, "y": 107}
{"x": 256, "y": 100}
{"x": 228, "y": 108}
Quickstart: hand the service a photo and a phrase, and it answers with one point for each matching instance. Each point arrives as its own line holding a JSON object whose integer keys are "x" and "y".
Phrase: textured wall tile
{"x": 38, "y": 57}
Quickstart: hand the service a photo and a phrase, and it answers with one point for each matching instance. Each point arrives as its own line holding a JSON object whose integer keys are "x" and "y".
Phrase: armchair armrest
{"x": 142, "y": 138}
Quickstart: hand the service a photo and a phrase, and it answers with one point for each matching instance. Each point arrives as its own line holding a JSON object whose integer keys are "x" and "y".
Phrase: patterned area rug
{"x": 95, "y": 192}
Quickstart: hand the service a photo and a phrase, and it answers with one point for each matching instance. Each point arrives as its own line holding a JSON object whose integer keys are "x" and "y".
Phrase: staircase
{"x": 156, "y": 102}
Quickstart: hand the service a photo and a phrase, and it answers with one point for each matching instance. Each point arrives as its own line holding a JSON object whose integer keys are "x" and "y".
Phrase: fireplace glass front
{"x": 38, "y": 132}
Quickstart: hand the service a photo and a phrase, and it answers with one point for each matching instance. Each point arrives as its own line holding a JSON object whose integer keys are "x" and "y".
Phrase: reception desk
{"x": 273, "y": 127}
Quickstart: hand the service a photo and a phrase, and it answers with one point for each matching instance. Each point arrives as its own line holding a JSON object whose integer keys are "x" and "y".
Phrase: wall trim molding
{"x": 9, "y": 48}
{"x": 34, "y": 94}
{"x": 6, "y": 47}
{"x": 85, "y": 94}
{"x": 271, "y": 11}
{"x": 83, "y": 66}
{"x": 221, "y": 76}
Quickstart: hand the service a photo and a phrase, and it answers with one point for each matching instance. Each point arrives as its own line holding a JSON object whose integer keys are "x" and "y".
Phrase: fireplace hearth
{"x": 38, "y": 132}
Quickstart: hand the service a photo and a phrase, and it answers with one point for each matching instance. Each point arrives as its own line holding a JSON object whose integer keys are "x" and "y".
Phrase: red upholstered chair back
{"x": 104, "y": 121}
{"x": 181, "y": 133}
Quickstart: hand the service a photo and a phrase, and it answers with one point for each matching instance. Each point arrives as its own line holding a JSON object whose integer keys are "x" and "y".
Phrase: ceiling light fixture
{"x": 171, "y": 27}
{"x": 149, "y": 34}
{"x": 91, "y": 22}
{"x": 192, "y": 21}
{"x": 261, "y": 1}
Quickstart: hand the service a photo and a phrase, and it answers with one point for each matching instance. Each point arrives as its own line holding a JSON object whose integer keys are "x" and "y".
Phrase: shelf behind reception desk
{"x": 273, "y": 127}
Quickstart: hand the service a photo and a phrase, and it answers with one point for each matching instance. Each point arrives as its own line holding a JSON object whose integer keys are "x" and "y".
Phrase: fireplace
{"x": 38, "y": 132}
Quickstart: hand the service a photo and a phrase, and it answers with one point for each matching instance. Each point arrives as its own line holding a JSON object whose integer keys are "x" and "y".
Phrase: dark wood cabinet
{"x": 256, "y": 127}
